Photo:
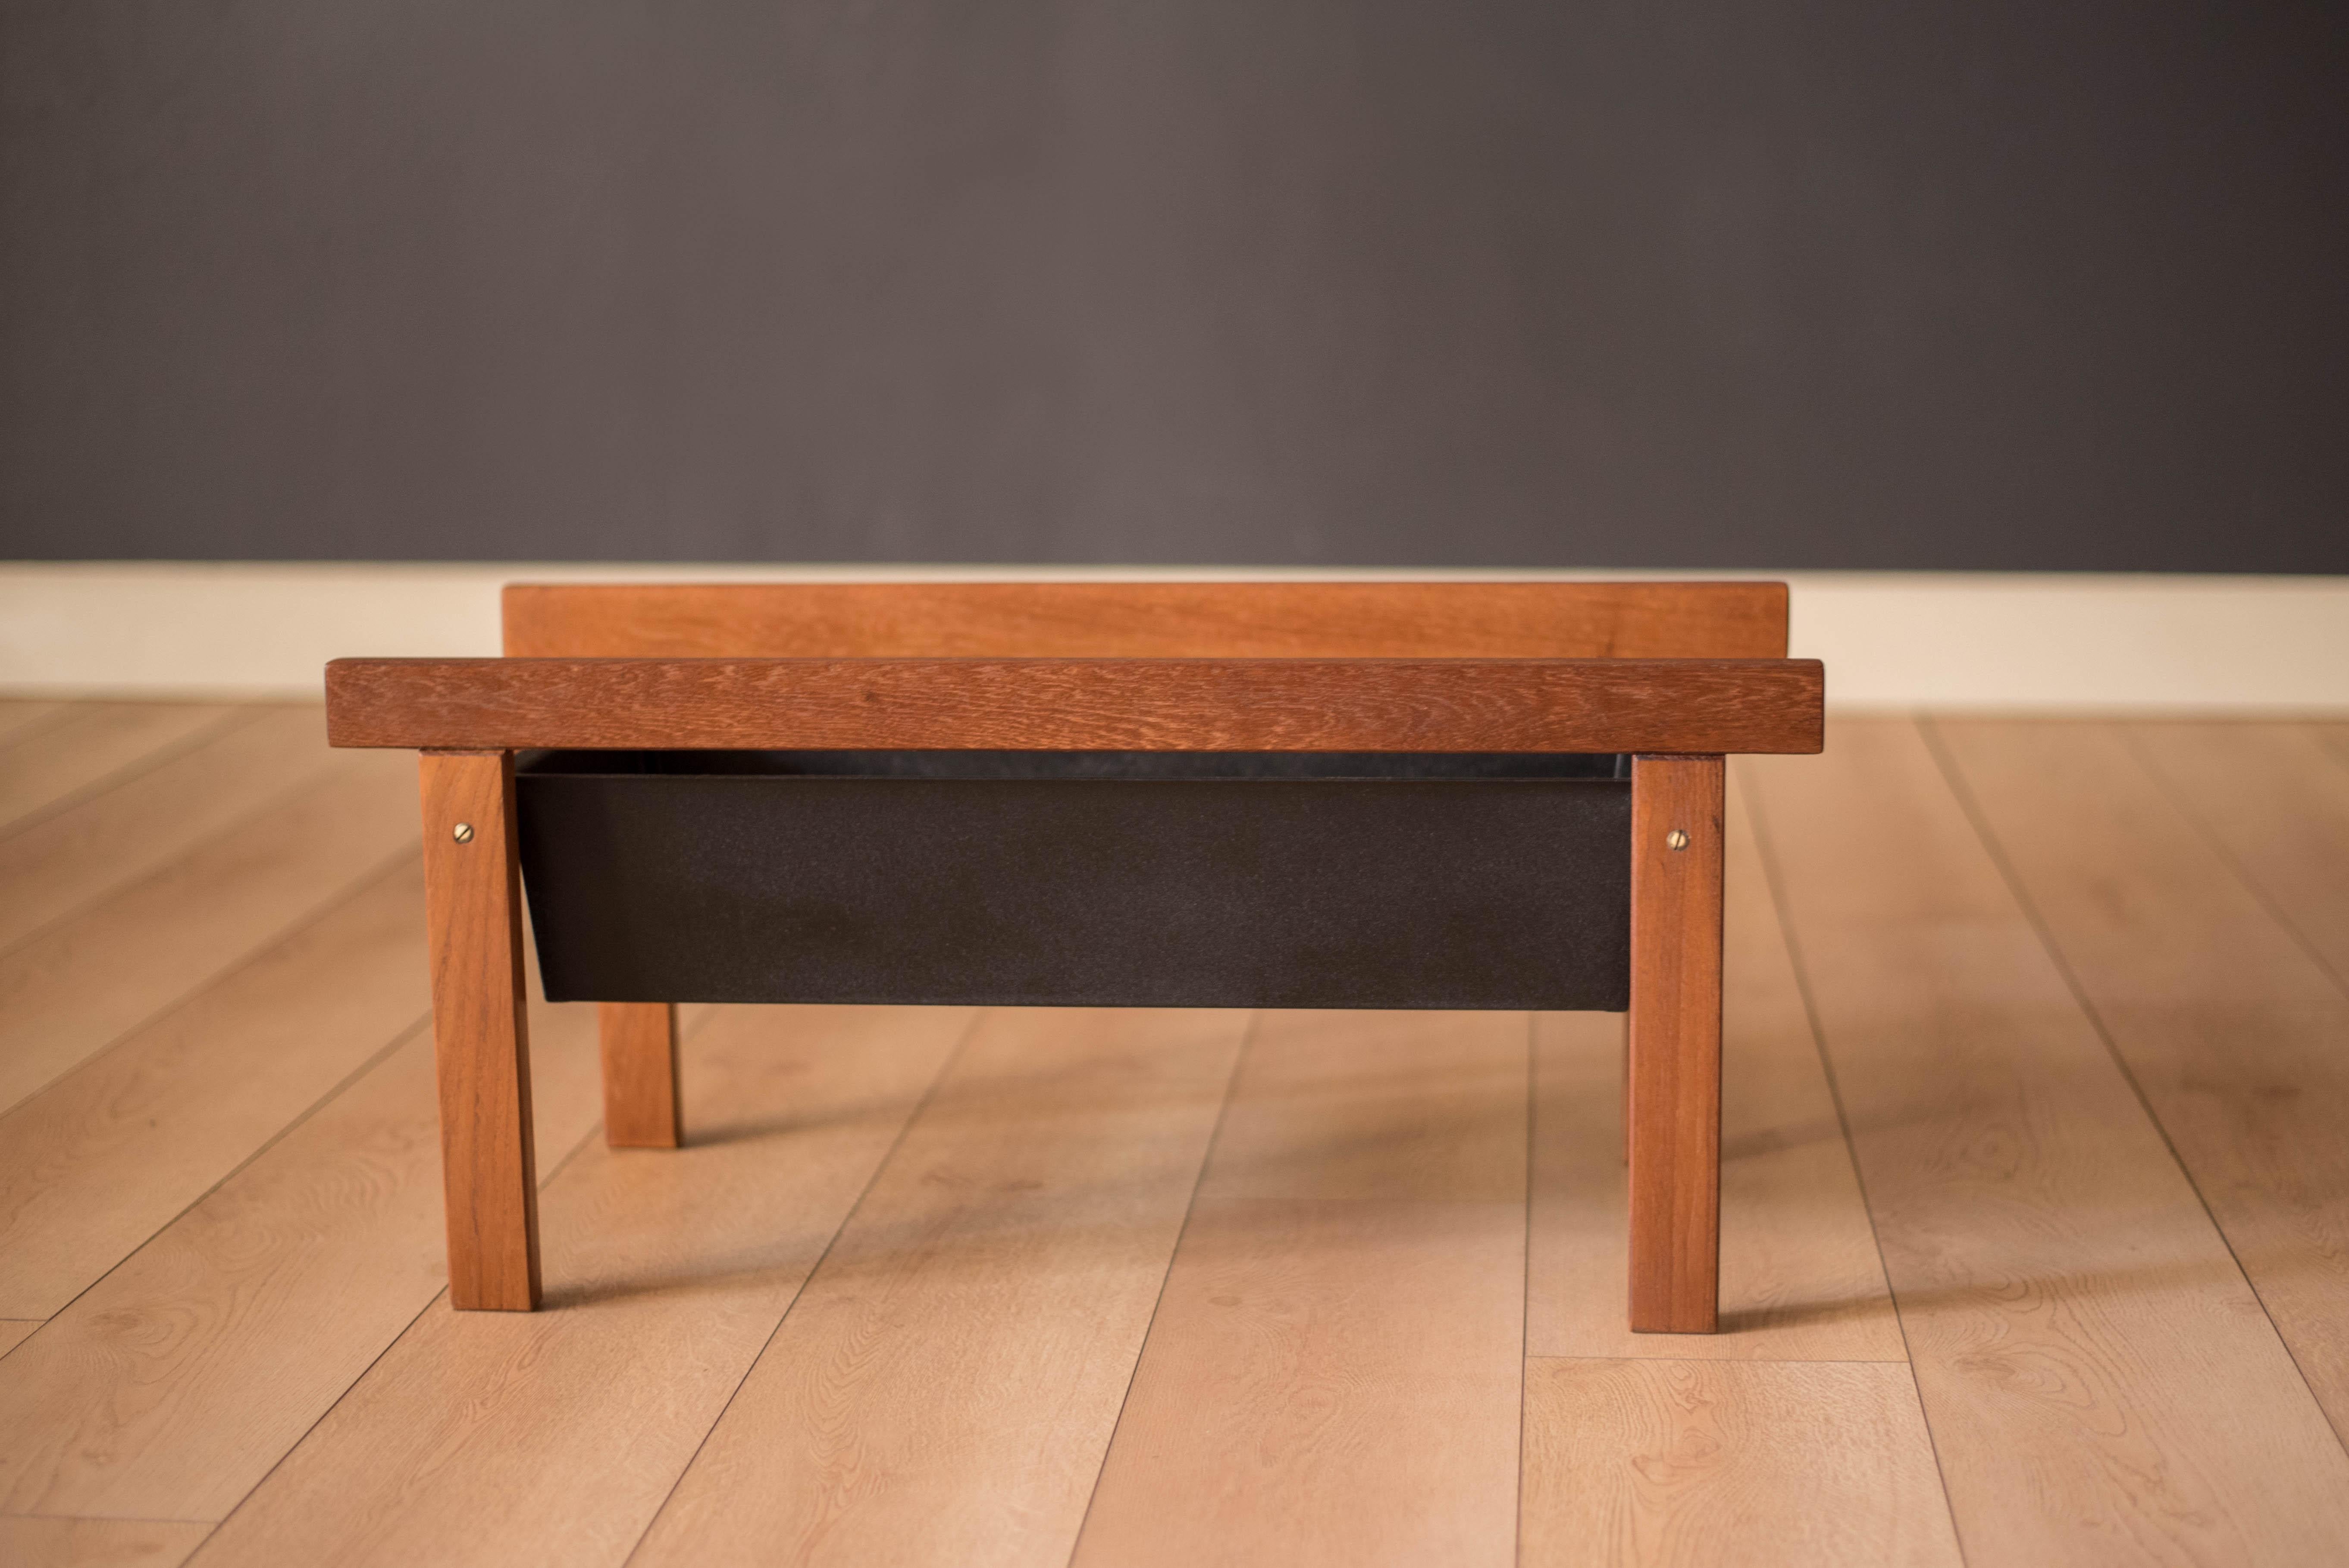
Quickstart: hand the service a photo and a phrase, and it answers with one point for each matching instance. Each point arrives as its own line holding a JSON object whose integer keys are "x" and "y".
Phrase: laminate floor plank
{"x": 97, "y": 744}
{"x": 15, "y": 1331}
{"x": 84, "y": 851}
{"x": 1646, "y": 1462}
{"x": 97, "y": 1543}
{"x": 2236, "y": 1034}
{"x": 943, "y": 1391}
{"x": 96, "y": 1163}
{"x": 2276, "y": 798}
{"x": 1800, "y": 1277}
{"x": 2101, "y": 1383}
{"x": 168, "y": 1389}
{"x": 82, "y": 984}
{"x": 21, "y": 717}
{"x": 552, "y": 1436}
{"x": 1334, "y": 1372}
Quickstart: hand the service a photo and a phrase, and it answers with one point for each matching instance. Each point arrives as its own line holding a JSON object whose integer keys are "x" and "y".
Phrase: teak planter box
{"x": 1239, "y": 794}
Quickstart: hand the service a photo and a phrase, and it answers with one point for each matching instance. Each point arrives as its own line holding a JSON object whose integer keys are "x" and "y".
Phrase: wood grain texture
{"x": 96, "y": 1162}
{"x": 553, "y": 1437}
{"x": 1652, "y": 1462}
{"x": 15, "y": 1331}
{"x": 1334, "y": 1373}
{"x": 641, "y": 1105}
{"x": 86, "y": 981}
{"x": 1800, "y": 1278}
{"x": 1149, "y": 620}
{"x": 84, "y": 853}
{"x": 944, "y": 1389}
{"x": 95, "y": 745}
{"x": 2102, "y": 1384}
{"x": 170, "y": 1388}
{"x": 2275, "y": 798}
{"x": 1674, "y": 1108}
{"x": 1130, "y": 705}
{"x": 99, "y": 1543}
{"x": 481, "y": 1028}
{"x": 2232, "y": 1030}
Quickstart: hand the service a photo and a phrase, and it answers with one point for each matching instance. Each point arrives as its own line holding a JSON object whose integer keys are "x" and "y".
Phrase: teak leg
{"x": 1675, "y": 1034}
{"x": 640, "y": 1075}
{"x": 1624, "y": 1153}
{"x": 480, "y": 1042}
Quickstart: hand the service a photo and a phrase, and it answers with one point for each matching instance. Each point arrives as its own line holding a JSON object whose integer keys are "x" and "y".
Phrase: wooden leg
{"x": 480, "y": 1042}
{"x": 640, "y": 1075}
{"x": 1675, "y": 1032}
{"x": 1624, "y": 1153}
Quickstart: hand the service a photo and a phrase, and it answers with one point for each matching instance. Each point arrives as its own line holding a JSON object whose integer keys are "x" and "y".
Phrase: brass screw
{"x": 1676, "y": 840}
{"x": 463, "y": 833}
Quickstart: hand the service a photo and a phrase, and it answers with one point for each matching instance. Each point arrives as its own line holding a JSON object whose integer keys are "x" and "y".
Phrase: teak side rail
{"x": 1621, "y": 620}
{"x": 1677, "y": 674}
{"x": 1678, "y": 706}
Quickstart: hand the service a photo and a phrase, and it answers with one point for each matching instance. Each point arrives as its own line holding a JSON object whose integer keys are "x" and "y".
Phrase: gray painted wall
{"x": 1960, "y": 284}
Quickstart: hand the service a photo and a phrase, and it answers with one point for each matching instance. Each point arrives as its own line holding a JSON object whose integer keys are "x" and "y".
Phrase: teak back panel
{"x": 1149, "y": 620}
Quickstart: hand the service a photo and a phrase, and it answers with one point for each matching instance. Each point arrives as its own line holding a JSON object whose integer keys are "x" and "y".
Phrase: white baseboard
{"x": 1891, "y": 640}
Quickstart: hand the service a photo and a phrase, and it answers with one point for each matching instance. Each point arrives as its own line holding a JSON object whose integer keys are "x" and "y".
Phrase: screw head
{"x": 1676, "y": 840}
{"x": 462, "y": 832}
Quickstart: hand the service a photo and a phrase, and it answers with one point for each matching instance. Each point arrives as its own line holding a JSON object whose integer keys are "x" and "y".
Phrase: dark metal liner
{"x": 1107, "y": 878}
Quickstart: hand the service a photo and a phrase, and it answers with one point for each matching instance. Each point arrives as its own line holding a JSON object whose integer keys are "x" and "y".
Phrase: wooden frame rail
{"x": 1322, "y": 620}
{"x": 1675, "y": 706}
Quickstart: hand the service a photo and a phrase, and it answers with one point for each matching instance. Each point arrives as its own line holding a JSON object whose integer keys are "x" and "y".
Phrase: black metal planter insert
{"x": 1074, "y": 878}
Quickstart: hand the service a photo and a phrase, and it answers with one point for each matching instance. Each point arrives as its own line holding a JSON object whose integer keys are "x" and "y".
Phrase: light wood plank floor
{"x": 2035, "y": 1198}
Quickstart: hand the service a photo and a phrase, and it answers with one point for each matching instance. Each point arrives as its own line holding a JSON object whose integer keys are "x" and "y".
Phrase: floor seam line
{"x": 302, "y": 921}
{"x": 348, "y": 1079}
{"x": 112, "y": 1518}
{"x": 1773, "y": 878}
{"x": 173, "y": 862}
{"x": 139, "y": 767}
{"x": 374, "y": 1361}
{"x": 1526, "y": 1280}
{"x": 2227, "y": 857}
{"x": 1731, "y": 1360}
{"x": 1947, "y": 763}
{"x": 332, "y": 1406}
{"x": 68, "y": 709}
{"x": 1214, "y": 1135}
{"x": 929, "y": 1092}
{"x": 375, "y": 1059}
